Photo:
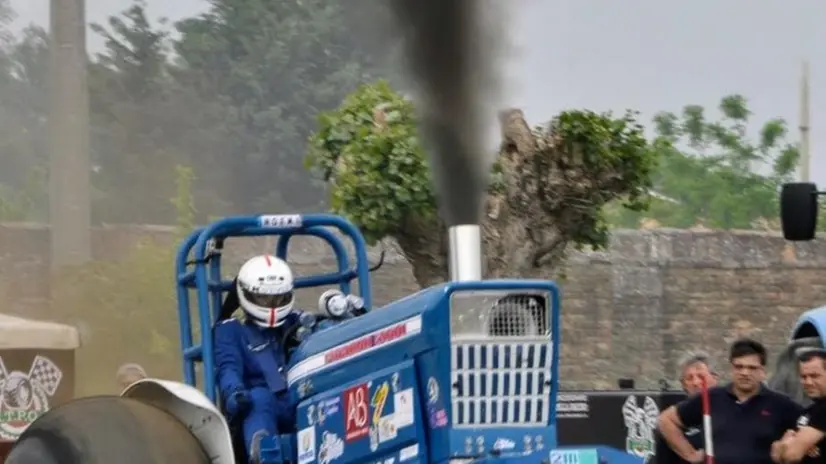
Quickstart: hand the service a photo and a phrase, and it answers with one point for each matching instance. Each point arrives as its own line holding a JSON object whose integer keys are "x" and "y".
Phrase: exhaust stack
{"x": 465, "y": 252}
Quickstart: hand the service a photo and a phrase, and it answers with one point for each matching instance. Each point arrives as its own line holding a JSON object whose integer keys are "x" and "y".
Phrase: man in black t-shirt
{"x": 747, "y": 417}
{"x": 806, "y": 444}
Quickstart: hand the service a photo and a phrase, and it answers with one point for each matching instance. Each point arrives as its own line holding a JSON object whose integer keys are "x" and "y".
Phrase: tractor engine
{"x": 401, "y": 383}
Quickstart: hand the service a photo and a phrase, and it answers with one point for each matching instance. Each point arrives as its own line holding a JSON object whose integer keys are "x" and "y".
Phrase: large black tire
{"x": 798, "y": 211}
{"x": 107, "y": 430}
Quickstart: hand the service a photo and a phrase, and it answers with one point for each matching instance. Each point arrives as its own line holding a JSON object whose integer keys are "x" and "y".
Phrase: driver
{"x": 249, "y": 355}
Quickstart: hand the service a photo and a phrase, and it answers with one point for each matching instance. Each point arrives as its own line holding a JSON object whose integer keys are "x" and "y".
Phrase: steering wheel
{"x": 290, "y": 340}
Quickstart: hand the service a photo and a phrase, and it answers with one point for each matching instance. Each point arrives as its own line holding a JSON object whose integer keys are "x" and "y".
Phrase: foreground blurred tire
{"x": 798, "y": 210}
{"x": 107, "y": 430}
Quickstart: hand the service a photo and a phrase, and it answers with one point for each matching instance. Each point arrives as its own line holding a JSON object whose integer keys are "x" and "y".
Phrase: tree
{"x": 146, "y": 122}
{"x": 548, "y": 187}
{"x": 712, "y": 173}
{"x": 273, "y": 66}
{"x": 7, "y": 15}
{"x": 23, "y": 131}
{"x": 133, "y": 137}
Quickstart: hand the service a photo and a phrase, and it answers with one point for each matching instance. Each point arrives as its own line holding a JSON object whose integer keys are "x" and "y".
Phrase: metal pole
{"x": 805, "y": 154}
{"x": 69, "y": 195}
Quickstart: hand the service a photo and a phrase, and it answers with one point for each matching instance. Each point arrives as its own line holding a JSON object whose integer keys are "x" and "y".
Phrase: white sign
{"x": 572, "y": 406}
{"x": 280, "y": 220}
{"x": 24, "y": 396}
{"x": 306, "y": 445}
{"x": 332, "y": 447}
{"x": 403, "y": 407}
{"x": 409, "y": 453}
{"x": 387, "y": 429}
{"x": 641, "y": 423}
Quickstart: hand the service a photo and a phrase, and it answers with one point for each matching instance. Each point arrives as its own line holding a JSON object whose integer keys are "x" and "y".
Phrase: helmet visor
{"x": 268, "y": 300}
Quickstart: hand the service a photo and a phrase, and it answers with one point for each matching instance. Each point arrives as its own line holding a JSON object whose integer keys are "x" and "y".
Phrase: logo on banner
{"x": 358, "y": 412}
{"x": 24, "y": 396}
{"x": 640, "y": 423}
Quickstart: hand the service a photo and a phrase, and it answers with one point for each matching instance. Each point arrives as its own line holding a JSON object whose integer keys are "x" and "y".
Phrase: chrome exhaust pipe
{"x": 465, "y": 243}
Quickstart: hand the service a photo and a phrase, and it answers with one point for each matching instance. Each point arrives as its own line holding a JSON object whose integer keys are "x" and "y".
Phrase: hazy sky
{"x": 648, "y": 55}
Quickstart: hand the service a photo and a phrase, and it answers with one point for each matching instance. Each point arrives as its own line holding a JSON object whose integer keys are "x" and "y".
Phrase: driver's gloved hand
{"x": 239, "y": 402}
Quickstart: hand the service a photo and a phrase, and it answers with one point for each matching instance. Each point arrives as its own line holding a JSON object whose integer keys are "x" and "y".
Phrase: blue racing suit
{"x": 251, "y": 362}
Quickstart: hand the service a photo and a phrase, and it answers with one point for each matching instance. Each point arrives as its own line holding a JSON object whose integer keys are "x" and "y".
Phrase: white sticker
{"x": 432, "y": 390}
{"x": 564, "y": 457}
{"x": 332, "y": 448}
{"x": 311, "y": 414}
{"x": 387, "y": 428}
{"x": 403, "y": 407}
{"x": 280, "y": 220}
{"x": 394, "y": 382}
{"x": 306, "y": 445}
{"x": 374, "y": 438}
{"x": 409, "y": 453}
{"x": 504, "y": 444}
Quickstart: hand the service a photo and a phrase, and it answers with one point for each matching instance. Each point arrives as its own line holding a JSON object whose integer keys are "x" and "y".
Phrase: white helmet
{"x": 265, "y": 290}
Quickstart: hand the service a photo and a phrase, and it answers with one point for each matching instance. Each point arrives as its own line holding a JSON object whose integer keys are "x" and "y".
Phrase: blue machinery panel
{"x": 198, "y": 267}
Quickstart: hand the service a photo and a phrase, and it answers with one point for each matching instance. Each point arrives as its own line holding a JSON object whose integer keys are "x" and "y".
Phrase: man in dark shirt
{"x": 694, "y": 367}
{"x": 806, "y": 444}
{"x": 746, "y": 416}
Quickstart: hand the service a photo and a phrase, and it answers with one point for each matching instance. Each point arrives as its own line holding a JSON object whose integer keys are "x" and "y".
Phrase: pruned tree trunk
{"x": 524, "y": 225}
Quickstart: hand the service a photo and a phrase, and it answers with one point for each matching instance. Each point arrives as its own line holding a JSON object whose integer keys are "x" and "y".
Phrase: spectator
{"x": 693, "y": 368}
{"x": 746, "y": 415}
{"x": 128, "y": 374}
{"x": 807, "y": 442}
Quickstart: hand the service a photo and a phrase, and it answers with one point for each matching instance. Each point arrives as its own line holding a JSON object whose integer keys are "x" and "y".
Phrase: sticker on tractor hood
{"x": 503, "y": 444}
{"x": 355, "y": 348}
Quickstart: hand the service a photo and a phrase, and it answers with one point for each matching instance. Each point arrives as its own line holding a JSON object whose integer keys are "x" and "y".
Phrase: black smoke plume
{"x": 447, "y": 50}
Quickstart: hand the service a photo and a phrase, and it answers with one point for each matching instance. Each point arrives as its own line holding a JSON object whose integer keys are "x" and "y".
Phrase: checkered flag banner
{"x": 46, "y": 374}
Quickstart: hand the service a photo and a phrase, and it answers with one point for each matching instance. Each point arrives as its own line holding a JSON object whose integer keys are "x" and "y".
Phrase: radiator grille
{"x": 501, "y": 384}
{"x": 501, "y": 359}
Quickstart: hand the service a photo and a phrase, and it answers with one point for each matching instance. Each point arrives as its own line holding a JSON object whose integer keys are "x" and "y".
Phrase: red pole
{"x": 709, "y": 443}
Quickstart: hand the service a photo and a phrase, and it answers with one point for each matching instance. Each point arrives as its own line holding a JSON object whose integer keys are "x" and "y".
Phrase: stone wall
{"x": 629, "y": 312}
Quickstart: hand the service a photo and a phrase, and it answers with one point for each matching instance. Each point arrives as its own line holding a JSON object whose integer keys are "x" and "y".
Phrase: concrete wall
{"x": 628, "y": 312}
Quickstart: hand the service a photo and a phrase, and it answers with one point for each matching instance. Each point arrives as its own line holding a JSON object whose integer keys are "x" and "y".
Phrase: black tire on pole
{"x": 798, "y": 210}
{"x": 106, "y": 430}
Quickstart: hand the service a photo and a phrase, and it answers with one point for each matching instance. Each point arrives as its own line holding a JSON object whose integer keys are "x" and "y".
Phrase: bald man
{"x": 128, "y": 374}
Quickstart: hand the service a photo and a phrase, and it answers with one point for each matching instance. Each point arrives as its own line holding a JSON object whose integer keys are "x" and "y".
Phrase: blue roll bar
{"x": 204, "y": 245}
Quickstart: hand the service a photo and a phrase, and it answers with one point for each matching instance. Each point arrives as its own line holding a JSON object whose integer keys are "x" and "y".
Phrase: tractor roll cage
{"x": 206, "y": 244}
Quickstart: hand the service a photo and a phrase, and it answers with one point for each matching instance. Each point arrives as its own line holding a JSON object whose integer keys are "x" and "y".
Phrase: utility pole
{"x": 69, "y": 194}
{"x": 805, "y": 154}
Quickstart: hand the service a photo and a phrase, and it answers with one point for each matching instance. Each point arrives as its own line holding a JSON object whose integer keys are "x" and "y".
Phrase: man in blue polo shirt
{"x": 746, "y": 416}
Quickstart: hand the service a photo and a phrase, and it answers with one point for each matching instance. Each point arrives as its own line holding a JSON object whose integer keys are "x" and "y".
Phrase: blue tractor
{"x": 462, "y": 372}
